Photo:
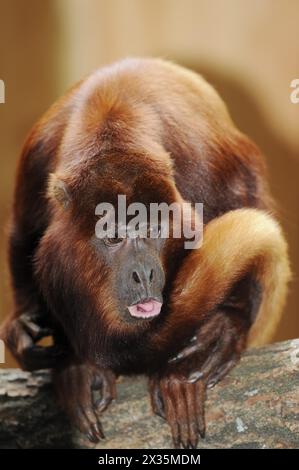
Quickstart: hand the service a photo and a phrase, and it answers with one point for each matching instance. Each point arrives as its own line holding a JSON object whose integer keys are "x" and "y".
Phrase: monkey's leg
{"x": 29, "y": 321}
{"x": 232, "y": 291}
{"x": 76, "y": 385}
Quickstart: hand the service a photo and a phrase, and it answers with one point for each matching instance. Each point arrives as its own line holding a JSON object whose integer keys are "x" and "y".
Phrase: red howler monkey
{"x": 155, "y": 132}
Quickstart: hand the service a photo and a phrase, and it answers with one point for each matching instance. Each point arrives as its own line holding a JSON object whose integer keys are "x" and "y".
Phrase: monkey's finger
{"x": 102, "y": 403}
{"x": 177, "y": 392}
{"x": 108, "y": 393}
{"x": 78, "y": 419}
{"x": 81, "y": 422}
{"x": 212, "y": 364}
{"x": 217, "y": 357}
{"x": 170, "y": 414}
{"x": 156, "y": 398}
{"x": 95, "y": 427}
{"x": 23, "y": 340}
{"x": 15, "y": 337}
{"x": 112, "y": 384}
{"x": 190, "y": 393}
{"x": 33, "y": 329}
{"x": 218, "y": 375}
{"x": 97, "y": 382}
{"x": 200, "y": 395}
{"x": 186, "y": 352}
{"x": 200, "y": 342}
{"x": 98, "y": 429}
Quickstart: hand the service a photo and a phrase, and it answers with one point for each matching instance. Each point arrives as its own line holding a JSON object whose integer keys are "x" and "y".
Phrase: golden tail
{"x": 233, "y": 244}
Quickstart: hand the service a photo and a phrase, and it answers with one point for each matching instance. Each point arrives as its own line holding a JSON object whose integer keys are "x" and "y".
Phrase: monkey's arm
{"x": 30, "y": 320}
{"x": 231, "y": 291}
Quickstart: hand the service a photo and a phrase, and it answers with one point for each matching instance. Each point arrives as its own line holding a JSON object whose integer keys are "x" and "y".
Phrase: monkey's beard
{"x": 149, "y": 308}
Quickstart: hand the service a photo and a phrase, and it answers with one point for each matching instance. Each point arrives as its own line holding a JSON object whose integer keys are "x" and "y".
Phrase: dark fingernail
{"x": 195, "y": 376}
{"x": 176, "y": 444}
{"x": 101, "y": 431}
{"x": 193, "y": 443}
{"x": 211, "y": 384}
{"x": 185, "y": 445}
{"x": 97, "y": 431}
{"x": 176, "y": 358}
{"x": 92, "y": 437}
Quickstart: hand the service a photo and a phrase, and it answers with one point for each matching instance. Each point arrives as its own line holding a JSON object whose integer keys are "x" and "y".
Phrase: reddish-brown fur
{"x": 155, "y": 132}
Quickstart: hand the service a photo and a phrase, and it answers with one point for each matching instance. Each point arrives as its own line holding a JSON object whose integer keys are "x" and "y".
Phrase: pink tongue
{"x": 146, "y": 309}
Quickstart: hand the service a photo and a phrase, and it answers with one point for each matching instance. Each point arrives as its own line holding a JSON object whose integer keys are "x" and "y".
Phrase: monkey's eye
{"x": 113, "y": 241}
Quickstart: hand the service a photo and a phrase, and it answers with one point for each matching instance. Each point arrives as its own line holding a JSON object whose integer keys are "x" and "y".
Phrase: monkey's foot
{"x": 181, "y": 403}
{"x": 21, "y": 335}
{"x": 75, "y": 385}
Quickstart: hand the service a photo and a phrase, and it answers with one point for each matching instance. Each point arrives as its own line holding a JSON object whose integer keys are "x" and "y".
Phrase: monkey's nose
{"x": 136, "y": 277}
{"x": 145, "y": 275}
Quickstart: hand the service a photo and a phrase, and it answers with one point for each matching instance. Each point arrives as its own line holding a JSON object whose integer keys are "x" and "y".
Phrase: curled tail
{"x": 239, "y": 241}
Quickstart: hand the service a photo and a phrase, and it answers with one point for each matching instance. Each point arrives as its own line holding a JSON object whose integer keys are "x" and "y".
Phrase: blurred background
{"x": 248, "y": 50}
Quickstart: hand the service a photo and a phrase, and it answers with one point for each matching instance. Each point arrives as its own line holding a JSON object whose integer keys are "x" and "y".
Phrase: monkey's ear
{"x": 57, "y": 189}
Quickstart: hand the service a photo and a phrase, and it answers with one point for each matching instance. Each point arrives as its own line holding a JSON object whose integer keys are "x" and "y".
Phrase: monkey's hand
{"x": 21, "y": 334}
{"x": 215, "y": 348}
{"x": 76, "y": 387}
{"x": 178, "y": 393}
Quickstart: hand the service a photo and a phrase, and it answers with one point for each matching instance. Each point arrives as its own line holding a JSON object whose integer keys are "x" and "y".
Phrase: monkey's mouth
{"x": 148, "y": 308}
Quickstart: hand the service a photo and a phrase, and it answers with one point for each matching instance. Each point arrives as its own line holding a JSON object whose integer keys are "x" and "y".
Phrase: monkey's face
{"x": 137, "y": 275}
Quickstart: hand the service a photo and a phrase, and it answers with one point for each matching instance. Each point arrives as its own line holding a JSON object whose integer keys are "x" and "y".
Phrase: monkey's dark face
{"x": 137, "y": 275}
